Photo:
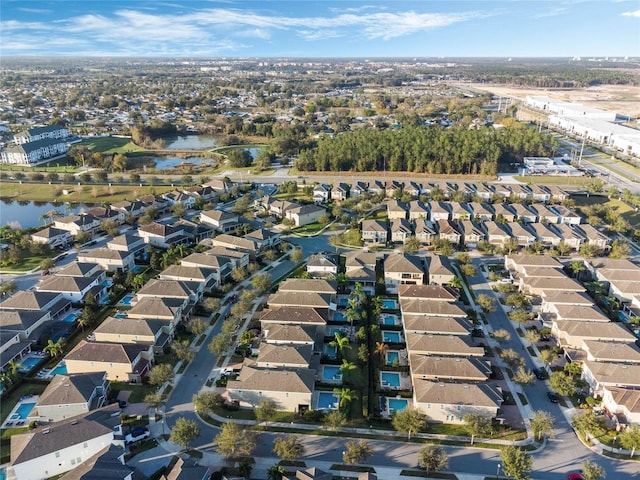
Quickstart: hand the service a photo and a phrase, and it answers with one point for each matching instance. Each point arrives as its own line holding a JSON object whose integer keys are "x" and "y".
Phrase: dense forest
{"x": 424, "y": 149}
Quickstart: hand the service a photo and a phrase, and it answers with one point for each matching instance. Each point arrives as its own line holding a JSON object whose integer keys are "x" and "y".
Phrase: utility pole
{"x": 584, "y": 139}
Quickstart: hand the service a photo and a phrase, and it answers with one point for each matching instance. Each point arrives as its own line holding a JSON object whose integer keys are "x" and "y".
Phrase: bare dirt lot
{"x": 622, "y": 99}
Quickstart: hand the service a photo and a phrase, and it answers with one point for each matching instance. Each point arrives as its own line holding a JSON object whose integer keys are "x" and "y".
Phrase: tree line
{"x": 422, "y": 149}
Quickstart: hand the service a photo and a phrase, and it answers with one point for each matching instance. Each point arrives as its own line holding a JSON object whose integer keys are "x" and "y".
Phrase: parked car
{"x": 575, "y": 476}
{"x": 540, "y": 373}
{"x": 137, "y": 434}
{"x": 553, "y": 397}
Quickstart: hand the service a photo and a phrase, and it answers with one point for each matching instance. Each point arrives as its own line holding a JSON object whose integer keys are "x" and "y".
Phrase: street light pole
{"x": 498, "y": 472}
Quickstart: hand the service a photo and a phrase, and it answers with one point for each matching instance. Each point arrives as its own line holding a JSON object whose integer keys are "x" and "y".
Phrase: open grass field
{"x": 621, "y": 208}
{"x": 111, "y": 145}
{"x": 560, "y": 181}
{"x": 40, "y": 192}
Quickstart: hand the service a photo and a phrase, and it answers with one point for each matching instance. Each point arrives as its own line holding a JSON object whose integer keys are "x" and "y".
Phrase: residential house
{"x": 521, "y": 233}
{"x": 105, "y": 465}
{"x": 54, "y": 237}
{"x": 71, "y": 395}
{"x": 427, "y": 292}
{"x": 134, "y": 209}
{"x": 418, "y": 211}
{"x": 439, "y": 270}
{"x": 177, "y": 197}
{"x": 322, "y": 265}
{"x": 311, "y": 473}
{"x": 40, "y": 133}
{"x": 340, "y": 192}
{"x": 360, "y": 267}
{"x": 436, "y": 325}
{"x": 321, "y": 192}
{"x": 237, "y": 258}
{"x": 291, "y": 390}
{"x": 220, "y": 265}
{"x": 400, "y": 230}
{"x": 76, "y": 224}
{"x": 188, "y": 470}
{"x": 482, "y": 212}
{"x": 247, "y": 245}
{"x": 194, "y": 232}
{"x": 52, "y": 302}
{"x": 447, "y": 230}
{"x": 571, "y": 236}
{"x": 106, "y": 214}
{"x": 220, "y": 220}
{"x": 603, "y": 351}
{"x": 293, "y": 315}
{"x": 139, "y": 331}
{"x": 204, "y": 192}
{"x": 358, "y": 188}
{"x": 544, "y": 234}
{"x": 122, "y": 363}
{"x": 472, "y": 233}
{"x": 130, "y": 244}
{"x": 400, "y": 268}
{"x": 578, "y": 313}
{"x": 497, "y": 233}
{"x": 75, "y": 289}
{"x": 192, "y": 291}
{"x": 377, "y": 188}
{"x": 520, "y": 192}
{"x": 390, "y": 188}
{"x": 207, "y": 276}
{"x": 540, "y": 193}
{"x": 572, "y": 334}
{"x": 159, "y": 203}
{"x": 557, "y": 194}
{"x": 82, "y": 269}
{"x": 439, "y": 211}
{"x": 566, "y": 215}
{"x": 272, "y": 355}
{"x": 18, "y": 330}
{"x": 624, "y": 403}
{"x": 601, "y": 375}
{"x": 425, "y": 231}
{"x": 595, "y": 236}
{"x": 219, "y": 186}
{"x": 459, "y": 211}
{"x": 265, "y": 239}
{"x": 173, "y": 309}
{"x": 504, "y": 213}
{"x": 523, "y": 213}
{"x": 374, "y": 231}
{"x": 446, "y": 402}
{"x": 161, "y": 236}
{"x": 110, "y": 259}
{"x": 289, "y": 335}
{"x": 549, "y": 299}
{"x": 396, "y": 210}
{"x": 305, "y": 214}
{"x": 51, "y": 450}
{"x": 442, "y": 345}
{"x": 430, "y": 308}
{"x": 414, "y": 189}
{"x": 545, "y": 214}
{"x": 519, "y": 262}
{"x": 460, "y": 369}
{"x": 484, "y": 191}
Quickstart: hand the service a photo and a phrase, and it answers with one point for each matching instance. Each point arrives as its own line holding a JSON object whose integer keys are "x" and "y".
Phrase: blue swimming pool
{"x": 331, "y": 373}
{"x": 343, "y": 301}
{"x": 389, "y": 319}
{"x": 397, "y": 404}
{"x": 327, "y": 401}
{"x": 334, "y": 330}
{"x": 27, "y": 363}
{"x": 120, "y": 315}
{"x": 393, "y": 357}
{"x": 138, "y": 268}
{"x": 389, "y": 304}
{"x": 330, "y": 351}
{"x": 23, "y": 411}
{"x": 71, "y": 317}
{"x": 126, "y": 300}
{"x": 61, "y": 369}
{"x": 390, "y": 379}
{"x": 390, "y": 337}
{"x": 339, "y": 317}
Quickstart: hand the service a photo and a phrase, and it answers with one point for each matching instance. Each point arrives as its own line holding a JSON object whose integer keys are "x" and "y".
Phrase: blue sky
{"x": 305, "y": 28}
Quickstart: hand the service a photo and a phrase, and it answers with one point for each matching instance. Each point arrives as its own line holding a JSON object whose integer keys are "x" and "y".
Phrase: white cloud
{"x": 631, "y": 14}
{"x": 552, "y": 13}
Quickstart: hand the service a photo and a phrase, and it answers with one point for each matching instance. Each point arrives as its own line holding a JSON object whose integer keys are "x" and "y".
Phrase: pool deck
{"x": 405, "y": 381}
{"x": 8, "y": 423}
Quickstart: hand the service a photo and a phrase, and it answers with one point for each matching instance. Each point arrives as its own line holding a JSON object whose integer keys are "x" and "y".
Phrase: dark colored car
{"x": 575, "y": 476}
{"x": 553, "y": 396}
{"x": 540, "y": 373}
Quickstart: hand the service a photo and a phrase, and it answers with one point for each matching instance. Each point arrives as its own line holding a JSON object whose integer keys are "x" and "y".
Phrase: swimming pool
{"x": 334, "y": 330}
{"x": 71, "y": 317}
{"x": 27, "y": 363}
{"x": 393, "y": 357}
{"x": 327, "y": 401}
{"x": 138, "y": 268}
{"x": 343, "y": 301}
{"x": 61, "y": 369}
{"x": 126, "y": 300}
{"x": 330, "y": 351}
{"x": 389, "y": 304}
{"x": 120, "y": 315}
{"x": 390, "y": 379}
{"x": 331, "y": 373}
{"x": 339, "y": 317}
{"x": 389, "y": 320}
{"x": 390, "y": 337}
{"x": 23, "y": 411}
{"x": 397, "y": 405}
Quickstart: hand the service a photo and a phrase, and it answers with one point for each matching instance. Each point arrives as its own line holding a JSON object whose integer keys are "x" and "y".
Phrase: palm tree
{"x": 456, "y": 283}
{"x": 166, "y": 260}
{"x": 347, "y": 366}
{"x": 358, "y": 292}
{"x": 381, "y": 349}
{"x": 345, "y": 395}
{"x": 377, "y": 305}
{"x": 340, "y": 341}
{"x": 53, "y": 348}
{"x": 13, "y": 367}
{"x": 351, "y": 314}
{"x": 138, "y": 281}
{"x": 180, "y": 250}
{"x": 577, "y": 267}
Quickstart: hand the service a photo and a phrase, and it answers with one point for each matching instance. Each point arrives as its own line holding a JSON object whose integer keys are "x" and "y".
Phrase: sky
{"x": 310, "y": 28}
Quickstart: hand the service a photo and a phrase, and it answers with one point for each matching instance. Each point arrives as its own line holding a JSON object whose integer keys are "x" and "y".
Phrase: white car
{"x": 136, "y": 435}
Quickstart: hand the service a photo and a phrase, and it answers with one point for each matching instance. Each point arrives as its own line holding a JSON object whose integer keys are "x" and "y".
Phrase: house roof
{"x": 237, "y": 242}
{"x": 158, "y": 229}
{"x": 358, "y": 259}
{"x": 308, "y": 285}
{"x": 618, "y": 374}
{"x": 126, "y": 240}
{"x": 400, "y": 225}
{"x": 77, "y": 269}
{"x": 559, "y": 283}
{"x": 431, "y": 292}
{"x": 221, "y": 251}
{"x": 132, "y": 326}
{"x": 288, "y": 333}
{"x": 602, "y": 330}
{"x": 578, "y": 312}
{"x": 612, "y": 351}
{"x": 442, "y": 345}
{"x": 523, "y": 259}
{"x": 279, "y": 355}
{"x": 302, "y": 299}
{"x": 104, "y": 465}
{"x": 295, "y": 315}
{"x": 51, "y": 232}
{"x": 20, "y": 320}
{"x": 166, "y": 289}
{"x": 567, "y": 298}
{"x": 626, "y": 397}
{"x": 55, "y": 283}
{"x": 261, "y": 234}
{"x": 30, "y": 300}
{"x": 374, "y": 226}
{"x": 217, "y": 216}
{"x": 449, "y": 367}
{"x": 430, "y": 307}
{"x": 403, "y": 263}
{"x": 67, "y": 389}
{"x": 200, "y": 274}
{"x": 206, "y": 260}
{"x": 321, "y": 260}
{"x": 104, "y": 352}
{"x": 614, "y": 264}
{"x": 104, "y": 253}
{"x": 448, "y": 393}
{"x": 439, "y": 265}
{"x": 64, "y": 434}
{"x": 156, "y": 307}
{"x": 274, "y": 380}
{"x": 437, "y": 325}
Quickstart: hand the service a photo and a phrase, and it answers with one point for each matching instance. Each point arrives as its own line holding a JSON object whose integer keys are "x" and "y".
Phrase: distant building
{"x": 41, "y": 133}
{"x": 33, "y": 152}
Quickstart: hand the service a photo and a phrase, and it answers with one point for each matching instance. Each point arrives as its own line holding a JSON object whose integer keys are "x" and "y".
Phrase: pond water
{"x": 163, "y": 163}
{"x": 190, "y": 142}
{"x": 27, "y": 214}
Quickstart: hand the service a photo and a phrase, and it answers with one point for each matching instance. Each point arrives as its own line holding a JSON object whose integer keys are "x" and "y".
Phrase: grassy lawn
{"x": 111, "y": 145}
{"x": 60, "y": 165}
{"x": 293, "y": 197}
{"x": 28, "y": 262}
{"x": 621, "y": 208}
{"x": 311, "y": 228}
{"x": 79, "y": 193}
{"x": 546, "y": 180}
{"x": 138, "y": 392}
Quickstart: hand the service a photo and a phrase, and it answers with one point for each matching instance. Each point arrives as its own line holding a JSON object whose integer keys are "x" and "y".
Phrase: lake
{"x": 163, "y": 163}
{"x": 27, "y": 214}
{"x": 190, "y": 142}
